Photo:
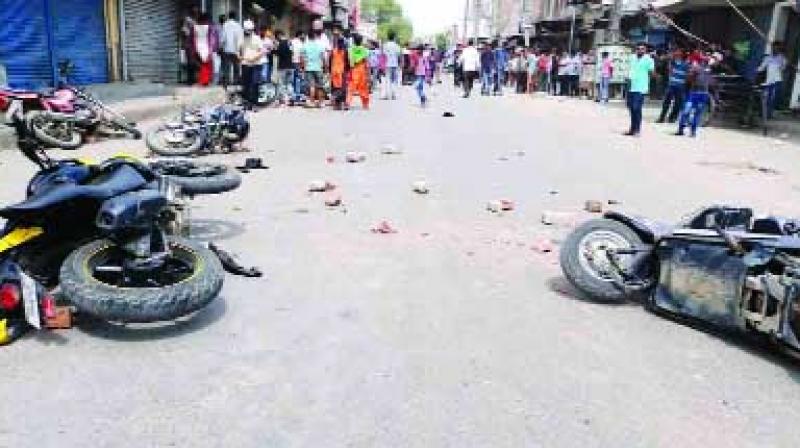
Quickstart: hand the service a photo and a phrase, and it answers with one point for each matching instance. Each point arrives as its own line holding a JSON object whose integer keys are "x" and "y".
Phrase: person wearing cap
{"x": 251, "y": 55}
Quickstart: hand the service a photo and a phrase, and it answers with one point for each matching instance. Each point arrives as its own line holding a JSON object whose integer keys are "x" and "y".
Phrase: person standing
{"x": 606, "y": 75}
{"x": 374, "y": 66}
{"x": 532, "y": 65}
{"x": 500, "y": 65}
{"x": 217, "y": 56}
{"x": 700, "y": 79}
{"x": 555, "y": 69}
{"x": 458, "y": 68}
{"x": 470, "y": 63}
{"x": 204, "y": 45}
{"x": 232, "y": 35}
{"x": 268, "y": 40}
{"x": 297, "y": 61}
{"x": 487, "y": 69}
{"x": 642, "y": 67}
{"x": 773, "y": 65}
{"x": 284, "y": 56}
{"x": 544, "y": 71}
{"x": 563, "y": 74}
{"x": 423, "y": 62}
{"x": 251, "y": 55}
{"x": 518, "y": 68}
{"x": 340, "y": 67}
{"x": 188, "y": 55}
{"x": 313, "y": 64}
{"x": 393, "y": 54}
{"x": 359, "y": 72}
{"x": 676, "y": 89}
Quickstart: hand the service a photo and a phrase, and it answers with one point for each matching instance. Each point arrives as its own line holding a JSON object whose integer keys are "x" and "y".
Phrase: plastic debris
{"x": 552, "y": 218}
{"x": 420, "y": 187}
{"x": 500, "y": 205}
{"x": 593, "y": 206}
{"x": 333, "y": 200}
{"x": 384, "y": 227}
{"x": 390, "y": 149}
{"x": 355, "y": 157}
{"x": 320, "y": 186}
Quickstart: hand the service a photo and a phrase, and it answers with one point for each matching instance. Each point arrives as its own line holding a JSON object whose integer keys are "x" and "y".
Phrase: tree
{"x": 442, "y": 41}
{"x": 388, "y": 14}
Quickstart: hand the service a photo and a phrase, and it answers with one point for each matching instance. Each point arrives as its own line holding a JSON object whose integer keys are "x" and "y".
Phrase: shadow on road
{"x": 215, "y": 229}
{"x": 564, "y": 288}
{"x": 147, "y": 332}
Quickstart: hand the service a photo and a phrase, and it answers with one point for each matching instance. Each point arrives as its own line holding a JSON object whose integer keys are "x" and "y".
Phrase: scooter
{"x": 719, "y": 267}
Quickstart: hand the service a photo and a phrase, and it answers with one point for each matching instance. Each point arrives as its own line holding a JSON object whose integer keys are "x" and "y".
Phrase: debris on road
{"x": 355, "y": 157}
{"x": 614, "y": 202}
{"x": 384, "y": 227}
{"x": 230, "y": 265}
{"x": 553, "y": 192}
{"x": 750, "y": 166}
{"x": 448, "y": 115}
{"x": 61, "y": 319}
{"x": 390, "y": 149}
{"x": 552, "y": 218}
{"x": 333, "y": 200}
{"x": 502, "y": 158}
{"x": 302, "y": 210}
{"x": 500, "y": 205}
{"x": 330, "y": 159}
{"x": 420, "y": 187}
{"x": 252, "y": 163}
{"x": 521, "y": 153}
{"x": 593, "y": 206}
{"x": 543, "y": 245}
{"x": 320, "y": 186}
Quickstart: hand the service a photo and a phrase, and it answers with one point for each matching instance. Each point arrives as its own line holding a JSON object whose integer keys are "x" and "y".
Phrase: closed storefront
{"x": 37, "y": 34}
{"x": 151, "y": 40}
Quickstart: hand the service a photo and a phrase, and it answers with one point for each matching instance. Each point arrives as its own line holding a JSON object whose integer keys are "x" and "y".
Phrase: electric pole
{"x": 466, "y": 19}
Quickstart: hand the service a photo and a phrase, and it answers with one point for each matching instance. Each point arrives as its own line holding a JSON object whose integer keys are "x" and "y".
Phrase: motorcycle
{"x": 100, "y": 232}
{"x": 718, "y": 267}
{"x": 219, "y": 127}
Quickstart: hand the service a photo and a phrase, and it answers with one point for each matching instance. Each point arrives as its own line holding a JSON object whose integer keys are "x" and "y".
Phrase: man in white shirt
{"x": 470, "y": 63}
{"x": 394, "y": 61}
{"x": 774, "y": 65}
{"x": 252, "y": 57}
{"x": 231, "y": 38}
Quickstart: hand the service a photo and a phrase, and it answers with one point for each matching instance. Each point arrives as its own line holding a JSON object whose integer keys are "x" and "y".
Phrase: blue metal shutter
{"x": 23, "y": 43}
{"x": 79, "y": 34}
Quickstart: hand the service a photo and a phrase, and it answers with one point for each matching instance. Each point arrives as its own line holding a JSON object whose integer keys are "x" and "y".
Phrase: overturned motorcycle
{"x": 107, "y": 234}
{"x": 719, "y": 267}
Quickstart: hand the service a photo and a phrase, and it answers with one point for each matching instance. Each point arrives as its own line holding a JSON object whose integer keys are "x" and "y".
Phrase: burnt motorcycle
{"x": 100, "y": 232}
{"x": 719, "y": 267}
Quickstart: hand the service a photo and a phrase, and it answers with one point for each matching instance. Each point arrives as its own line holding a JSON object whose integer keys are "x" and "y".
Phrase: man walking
{"x": 606, "y": 74}
{"x": 487, "y": 69}
{"x": 500, "y": 66}
{"x": 676, "y": 89}
{"x": 470, "y": 63}
{"x": 232, "y": 35}
{"x": 393, "y": 54}
{"x": 297, "y": 61}
{"x": 773, "y": 65}
{"x": 700, "y": 81}
{"x": 641, "y": 69}
{"x": 313, "y": 62}
{"x": 285, "y": 66}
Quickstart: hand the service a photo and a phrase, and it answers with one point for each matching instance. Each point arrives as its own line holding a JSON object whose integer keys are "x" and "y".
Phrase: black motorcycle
{"x": 719, "y": 267}
{"x": 216, "y": 128}
{"x": 98, "y": 231}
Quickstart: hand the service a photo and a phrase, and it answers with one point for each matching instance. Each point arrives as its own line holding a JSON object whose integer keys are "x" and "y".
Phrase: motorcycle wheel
{"x": 583, "y": 258}
{"x": 197, "y": 178}
{"x": 52, "y": 132}
{"x": 191, "y": 278}
{"x": 127, "y": 127}
{"x": 175, "y": 142}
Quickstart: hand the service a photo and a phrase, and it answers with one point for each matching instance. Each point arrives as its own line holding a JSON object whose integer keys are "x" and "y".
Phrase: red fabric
{"x": 206, "y": 73}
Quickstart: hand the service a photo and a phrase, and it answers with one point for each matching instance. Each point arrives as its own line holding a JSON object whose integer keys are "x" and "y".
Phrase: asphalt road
{"x": 451, "y": 332}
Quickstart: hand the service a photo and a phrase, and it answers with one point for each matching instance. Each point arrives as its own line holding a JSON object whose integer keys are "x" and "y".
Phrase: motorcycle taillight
{"x": 49, "y": 306}
{"x": 9, "y": 296}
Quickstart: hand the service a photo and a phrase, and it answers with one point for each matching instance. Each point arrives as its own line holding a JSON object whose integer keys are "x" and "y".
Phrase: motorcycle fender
{"x": 649, "y": 231}
{"x": 129, "y": 211}
{"x": 18, "y": 236}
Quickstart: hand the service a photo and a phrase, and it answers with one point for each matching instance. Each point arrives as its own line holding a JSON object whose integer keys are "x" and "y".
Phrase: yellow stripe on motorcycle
{"x": 19, "y": 236}
{"x": 86, "y": 161}
{"x": 126, "y": 156}
{"x": 5, "y": 338}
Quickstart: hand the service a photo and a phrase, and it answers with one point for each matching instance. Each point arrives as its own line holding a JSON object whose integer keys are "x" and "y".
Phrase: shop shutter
{"x": 151, "y": 40}
{"x": 79, "y": 34}
{"x": 24, "y": 50}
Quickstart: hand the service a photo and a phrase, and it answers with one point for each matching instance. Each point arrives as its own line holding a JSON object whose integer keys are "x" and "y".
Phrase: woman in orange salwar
{"x": 359, "y": 75}
{"x": 340, "y": 68}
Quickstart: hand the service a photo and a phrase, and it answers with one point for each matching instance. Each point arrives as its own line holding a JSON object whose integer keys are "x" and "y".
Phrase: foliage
{"x": 442, "y": 41}
{"x": 388, "y": 14}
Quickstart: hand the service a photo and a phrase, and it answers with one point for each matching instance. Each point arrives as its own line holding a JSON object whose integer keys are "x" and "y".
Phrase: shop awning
{"x": 319, "y": 7}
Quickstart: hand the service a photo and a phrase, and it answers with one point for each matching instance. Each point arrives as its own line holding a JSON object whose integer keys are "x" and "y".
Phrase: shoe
{"x": 631, "y": 134}
{"x": 660, "y": 120}
{"x": 679, "y": 134}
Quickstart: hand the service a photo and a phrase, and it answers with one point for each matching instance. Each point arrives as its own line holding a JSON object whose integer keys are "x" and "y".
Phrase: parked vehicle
{"x": 718, "y": 267}
{"x": 100, "y": 232}
{"x": 217, "y": 128}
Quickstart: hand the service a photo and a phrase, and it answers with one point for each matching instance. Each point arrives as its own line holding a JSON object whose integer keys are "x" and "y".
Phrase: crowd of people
{"x": 311, "y": 68}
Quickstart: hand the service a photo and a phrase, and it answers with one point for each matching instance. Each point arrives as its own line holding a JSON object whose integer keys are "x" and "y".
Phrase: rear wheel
{"x": 175, "y": 141}
{"x": 584, "y": 260}
{"x": 95, "y": 280}
{"x": 198, "y": 177}
{"x": 54, "y": 132}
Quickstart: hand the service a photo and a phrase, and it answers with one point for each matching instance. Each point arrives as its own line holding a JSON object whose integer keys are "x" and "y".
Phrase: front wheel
{"x": 196, "y": 178}
{"x": 584, "y": 259}
{"x": 176, "y": 141}
{"x": 95, "y": 279}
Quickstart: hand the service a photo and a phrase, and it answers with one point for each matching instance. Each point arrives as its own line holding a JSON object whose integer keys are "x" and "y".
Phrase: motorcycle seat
{"x": 105, "y": 185}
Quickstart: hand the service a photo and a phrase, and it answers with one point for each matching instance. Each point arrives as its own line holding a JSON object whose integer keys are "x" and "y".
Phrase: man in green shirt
{"x": 642, "y": 67}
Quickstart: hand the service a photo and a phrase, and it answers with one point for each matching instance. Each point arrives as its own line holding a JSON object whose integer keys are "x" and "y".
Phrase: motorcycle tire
{"x": 196, "y": 144}
{"x": 35, "y": 120}
{"x": 199, "y": 178}
{"x": 579, "y": 274}
{"x": 130, "y": 128}
{"x": 141, "y": 304}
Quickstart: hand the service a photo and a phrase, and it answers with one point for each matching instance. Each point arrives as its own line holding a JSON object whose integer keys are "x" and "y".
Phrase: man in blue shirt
{"x": 676, "y": 90}
{"x": 487, "y": 69}
{"x": 500, "y": 63}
